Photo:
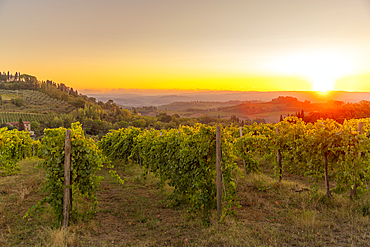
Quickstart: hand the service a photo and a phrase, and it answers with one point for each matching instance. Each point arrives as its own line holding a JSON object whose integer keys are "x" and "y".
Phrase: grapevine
{"x": 185, "y": 158}
{"x": 86, "y": 160}
{"x": 14, "y": 146}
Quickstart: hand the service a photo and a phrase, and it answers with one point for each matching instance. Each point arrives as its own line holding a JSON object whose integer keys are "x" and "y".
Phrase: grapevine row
{"x": 6, "y": 117}
{"x": 86, "y": 160}
{"x": 324, "y": 151}
{"x": 14, "y": 146}
{"x": 184, "y": 158}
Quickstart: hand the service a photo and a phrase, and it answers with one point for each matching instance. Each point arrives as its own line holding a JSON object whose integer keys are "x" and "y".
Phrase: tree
{"x": 125, "y": 114}
{"x": 170, "y": 125}
{"x": 302, "y": 115}
{"x": 56, "y": 123}
{"x": 158, "y": 125}
{"x": 20, "y": 125}
{"x": 68, "y": 119}
{"x": 233, "y": 118}
{"x": 163, "y": 117}
{"x": 121, "y": 124}
{"x": 175, "y": 120}
{"x": 92, "y": 100}
{"x": 35, "y": 126}
{"x": 140, "y": 123}
{"x": 78, "y": 103}
{"x": 71, "y": 92}
{"x": 18, "y": 102}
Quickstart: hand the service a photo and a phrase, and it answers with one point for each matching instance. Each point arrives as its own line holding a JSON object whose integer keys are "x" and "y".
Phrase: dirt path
{"x": 137, "y": 215}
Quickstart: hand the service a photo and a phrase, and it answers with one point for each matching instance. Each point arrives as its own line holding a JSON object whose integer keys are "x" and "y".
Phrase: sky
{"x": 241, "y": 45}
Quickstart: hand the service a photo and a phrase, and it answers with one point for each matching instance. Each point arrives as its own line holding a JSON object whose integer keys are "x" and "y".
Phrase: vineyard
{"x": 33, "y": 101}
{"x": 185, "y": 158}
{"x": 6, "y": 117}
{"x": 331, "y": 158}
{"x": 325, "y": 151}
{"x": 14, "y": 146}
{"x": 39, "y": 98}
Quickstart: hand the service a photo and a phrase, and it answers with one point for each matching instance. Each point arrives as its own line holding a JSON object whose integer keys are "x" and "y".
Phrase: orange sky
{"x": 263, "y": 45}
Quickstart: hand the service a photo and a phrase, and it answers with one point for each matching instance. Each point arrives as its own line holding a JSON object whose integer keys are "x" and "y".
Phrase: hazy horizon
{"x": 148, "y": 97}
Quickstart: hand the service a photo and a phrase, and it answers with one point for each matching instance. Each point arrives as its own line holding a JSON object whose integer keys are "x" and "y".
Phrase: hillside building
{"x": 27, "y": 126}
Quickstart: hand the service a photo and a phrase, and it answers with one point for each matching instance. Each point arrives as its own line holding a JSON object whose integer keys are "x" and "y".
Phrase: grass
{"x": 137, "y": 214}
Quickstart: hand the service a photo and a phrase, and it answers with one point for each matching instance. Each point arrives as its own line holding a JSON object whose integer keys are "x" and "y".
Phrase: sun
{"x": 321, "y": 68}
{"x": 322, "y": 81}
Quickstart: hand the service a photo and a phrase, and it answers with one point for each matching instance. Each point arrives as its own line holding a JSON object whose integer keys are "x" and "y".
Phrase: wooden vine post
{"x": 354, "y": 190}
{"x": 328, "y": 193}
{"x": 326, "y": 173}
{"x": 67, "y": 179}
{"x": 279, "y": 158}
{"x": 241, "y": 135}
{"x": 218, "y": 165}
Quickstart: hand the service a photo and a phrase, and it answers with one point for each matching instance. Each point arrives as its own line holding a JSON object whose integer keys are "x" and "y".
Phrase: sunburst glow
{"x": 321, "y": 68}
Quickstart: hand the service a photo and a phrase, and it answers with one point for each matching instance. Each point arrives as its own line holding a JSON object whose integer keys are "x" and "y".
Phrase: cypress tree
{"x": 20, "y": 124}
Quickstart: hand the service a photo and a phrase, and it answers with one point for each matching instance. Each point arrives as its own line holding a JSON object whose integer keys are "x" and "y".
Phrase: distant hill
{"x": 224, "y": 104}
{"x": 194, "y": 105}
{"x": 244, "y": 110}
{"x": 271, "y": 111}
{"x": 137, "y": 98}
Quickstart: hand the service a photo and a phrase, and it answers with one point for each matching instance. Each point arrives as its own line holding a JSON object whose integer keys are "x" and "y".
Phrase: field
{"x": 6, "y": 117}
{"x": 33, "y": 102}
{"x": 137, "y": 214}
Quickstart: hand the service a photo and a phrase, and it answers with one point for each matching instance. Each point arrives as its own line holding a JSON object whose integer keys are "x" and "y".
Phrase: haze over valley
{"x": 149, "y": 97}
